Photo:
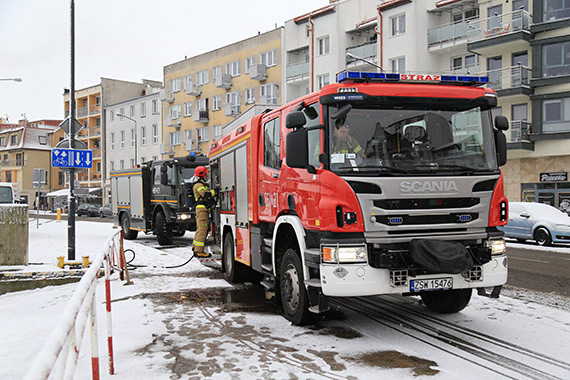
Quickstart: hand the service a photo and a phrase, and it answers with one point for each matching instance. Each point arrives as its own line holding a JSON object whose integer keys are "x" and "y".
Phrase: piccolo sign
{"x": 554, "y": 177}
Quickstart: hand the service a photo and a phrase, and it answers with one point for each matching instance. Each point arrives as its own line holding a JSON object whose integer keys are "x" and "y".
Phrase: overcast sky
{"x": 119, "y": 39}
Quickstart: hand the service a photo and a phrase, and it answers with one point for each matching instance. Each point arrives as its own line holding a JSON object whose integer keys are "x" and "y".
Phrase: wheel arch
{"x": 288, "y": 233}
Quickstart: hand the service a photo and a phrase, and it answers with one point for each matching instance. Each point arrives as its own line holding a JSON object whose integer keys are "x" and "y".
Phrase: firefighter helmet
{"x": 201, "y": 171}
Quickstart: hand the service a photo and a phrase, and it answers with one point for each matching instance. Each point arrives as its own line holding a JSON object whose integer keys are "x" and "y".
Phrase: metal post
{"x": 71, "y": 198}
{"x": 94, "y": 343}
{"x": 108, "y": 308}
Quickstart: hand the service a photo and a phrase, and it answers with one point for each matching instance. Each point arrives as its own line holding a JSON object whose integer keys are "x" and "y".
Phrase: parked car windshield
{"x": 411, "y": 139}
{"x": 5, "y": 195}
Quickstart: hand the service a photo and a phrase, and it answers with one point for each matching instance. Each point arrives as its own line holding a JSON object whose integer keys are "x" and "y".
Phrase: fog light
{"x": 498, "y": 247}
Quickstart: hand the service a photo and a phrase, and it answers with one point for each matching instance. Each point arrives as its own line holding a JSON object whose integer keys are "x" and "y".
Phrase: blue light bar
{"x": 362, "y": 76}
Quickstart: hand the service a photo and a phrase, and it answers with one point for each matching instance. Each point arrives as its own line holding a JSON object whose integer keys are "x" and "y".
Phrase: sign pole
{"x": 71, "y": 199}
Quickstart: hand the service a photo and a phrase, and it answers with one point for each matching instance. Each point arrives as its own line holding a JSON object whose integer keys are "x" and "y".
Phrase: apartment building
{"x": 89, "y": 111}
{"x": 203, "y": 93}
{"x": 25, "y": 147}
{"x": 134, "y": 131}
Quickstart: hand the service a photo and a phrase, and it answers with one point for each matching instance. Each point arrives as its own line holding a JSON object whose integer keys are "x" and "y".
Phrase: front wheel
{"x": 447, "y": 301}
{"x": 162, "y": 229}
{"x": 294, "y": 297}
{"x": 542, "y": 236}
{"x": 126, "y": 226}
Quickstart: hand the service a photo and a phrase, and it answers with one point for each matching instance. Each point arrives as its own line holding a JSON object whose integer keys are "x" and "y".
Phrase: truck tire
{"x": 542, "y": 236}
{"x": 162, "y": 229}
{"x": 233, "y": 271}
{"x": 126, "y": 226}
{"x": 292, "y": 291}
{"x": 447, "y": 301}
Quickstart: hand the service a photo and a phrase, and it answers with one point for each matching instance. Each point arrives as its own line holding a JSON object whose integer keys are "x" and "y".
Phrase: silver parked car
{"x": 105, "y": 211}
{"x": 537, "y": 221}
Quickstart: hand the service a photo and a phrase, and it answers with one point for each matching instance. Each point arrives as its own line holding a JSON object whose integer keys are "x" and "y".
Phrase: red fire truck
{"x": 377, "y": 184}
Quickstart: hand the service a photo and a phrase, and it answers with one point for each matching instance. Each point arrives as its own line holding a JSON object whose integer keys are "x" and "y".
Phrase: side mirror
{"x": 296, "y": 148}
{"x": 501, "y": 147}
{"x": 295, "y": 119}
{"x": 164, "y": 175}
{"x": 501, "y": 123}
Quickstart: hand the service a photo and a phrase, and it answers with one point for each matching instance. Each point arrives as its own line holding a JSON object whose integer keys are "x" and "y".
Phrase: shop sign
{"x": 554, "y": 177}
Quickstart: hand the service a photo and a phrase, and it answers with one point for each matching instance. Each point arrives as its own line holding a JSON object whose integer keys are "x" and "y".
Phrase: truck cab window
{"x": 312, "y": 115}
{"x": 271, "y": 140}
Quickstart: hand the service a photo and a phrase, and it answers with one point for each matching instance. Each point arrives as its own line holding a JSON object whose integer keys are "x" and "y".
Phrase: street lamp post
{"x": 136, "y": 142}
{"x": 12, "y": 79}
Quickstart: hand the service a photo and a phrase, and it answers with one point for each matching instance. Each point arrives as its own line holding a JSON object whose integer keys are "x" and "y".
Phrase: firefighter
{"x": 343, "y": 141}
{"x": 203, "y": 196}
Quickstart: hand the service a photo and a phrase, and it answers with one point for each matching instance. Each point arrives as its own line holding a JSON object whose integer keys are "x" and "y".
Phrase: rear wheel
{"x": 447, "y": 301}
{"x": 233, "y": 271}
{"x": 126, "y": 226}
{"x": 162, "y": 229}
{"x": 542, "y": 236}
{"x": 292, "y": 291}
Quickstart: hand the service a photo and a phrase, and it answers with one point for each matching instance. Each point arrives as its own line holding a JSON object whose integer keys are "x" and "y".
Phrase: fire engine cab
{"x": 378, "y": 184}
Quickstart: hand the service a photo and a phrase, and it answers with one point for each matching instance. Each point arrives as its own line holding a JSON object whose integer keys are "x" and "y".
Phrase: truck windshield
{"x": 404, "y": 140}
{"x": 5, "y": 195}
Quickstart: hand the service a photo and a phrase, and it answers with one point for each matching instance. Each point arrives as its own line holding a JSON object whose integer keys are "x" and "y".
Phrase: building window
{"x": 271, "y": 144}
{"x": 465, "y": 64}
{"x": 2, "y": 141}
{"x": 232, "y": 68}
{"x": 398, "y": 24}
{"x": 121, "y": 112}
{"x": 8, "y": 176}
{"x": 203, "y": 134}
{"x": 250, "y": 61}
{"x": 187, "y": 109}
{"x": 250, "y": 95}
{"x": 233, "y": 98}
{"x": 143, "y": 109}
{"x": 19, "y": 159}
{"x": 112, "y": 113}
{"x": 269, "y": 58}
{"x": 269, "y": 93}
{"x": 323, "y": 45}
{"x": 556, "y": 115}
{"x": 122, "y": 139}
{"x": 217, "y": 131}
{"x": 323, "y": 80}
{"x": 175, "y": 85}
{"x": 202, "y": 77}
{"x": 122, "y": 164}
{"x": 202, "y": 105}
{"x": 154, "y": 106}
{"x": 132, "y": 162}
{"x": 556, "y": 59}
{"x": 467, "y": 15}
{"x": 133, "y": 138}
{"x": 61, "y": 178}
{"x": 216, "y": 103}
{"x": 143, "y": 136}
{"x": 398, "y": 65}
{"x": 188, "y": 139}
{"x": 175, "y": 111}
{"x": 174, "y": 138}
{"x": 112, "y": 140}
{"x": 131, "y": 110}
{"x": 216, "y": 71}
{"x": 14, "y": 140}
{"x": 155, "y": 133}
{"x": 556, "y": 9}
{"x": 42, "y": 140}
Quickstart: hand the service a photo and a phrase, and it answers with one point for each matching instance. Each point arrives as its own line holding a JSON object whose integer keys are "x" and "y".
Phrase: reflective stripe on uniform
{"x": 198, "y": 243}
{"x": 200, "y": 206}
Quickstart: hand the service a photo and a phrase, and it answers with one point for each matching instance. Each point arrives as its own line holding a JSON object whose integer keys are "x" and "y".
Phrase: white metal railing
{"x": 58, "y": 357}
{"x": 297, "y": 70}
{"x": 498, "y": 25}
{"x": 452, "y": 32}
{"x": 509, "y": 77}
{"x": 366, "y": 51}
{"x": 520, "y": 131}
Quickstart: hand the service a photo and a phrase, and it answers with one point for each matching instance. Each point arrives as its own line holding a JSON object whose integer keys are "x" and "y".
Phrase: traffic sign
{"x": 76, "y": 126}
{"x": 71, "y": 158}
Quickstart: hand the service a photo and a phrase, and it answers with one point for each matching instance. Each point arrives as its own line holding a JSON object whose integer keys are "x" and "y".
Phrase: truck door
{"x": 269, "y": 169}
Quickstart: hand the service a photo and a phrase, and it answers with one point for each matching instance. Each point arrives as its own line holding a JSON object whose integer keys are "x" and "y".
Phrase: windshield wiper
{"x": 389, "y": 169}
{"x": 436, "y": 166}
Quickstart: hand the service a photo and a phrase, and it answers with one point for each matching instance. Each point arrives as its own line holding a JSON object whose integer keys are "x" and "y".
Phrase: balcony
{"x": 443, "y": 37}
{"x": 514, "y": 80}
{"x": 96, "y": 153}
{"x": 192, "y": 89}
{"x": 173, "y": 122}
{"x": 224, "y": 81}
{"x": 82, "y": 112}
{"x": 201, "y": 116}
{"x": 509, "y": 31}
{"x": 15, "y": 163}
{"x": 463, "y": 70}
{"x": 297, "y": 71}
{"x": 258, "y": 72}
{"x": 95, "y": 109}
{"x": 94, "y": 131}
{"x": 166, "y": 96}
{"x": 232, "y": 109}
{"x": 365, "y": 51}
{"x": 520, "y": 131}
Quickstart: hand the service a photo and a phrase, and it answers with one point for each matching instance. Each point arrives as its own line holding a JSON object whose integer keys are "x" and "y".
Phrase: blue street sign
{"x": 71, "y": 158}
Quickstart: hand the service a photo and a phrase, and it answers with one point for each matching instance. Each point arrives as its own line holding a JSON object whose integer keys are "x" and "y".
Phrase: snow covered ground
{"x": 189, "y": 323}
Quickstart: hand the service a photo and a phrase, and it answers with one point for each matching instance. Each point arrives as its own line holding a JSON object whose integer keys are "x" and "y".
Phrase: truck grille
{"x": 392, "y": 220}
{"x": 426, "y": 204}
{"x": 398, "y": 278}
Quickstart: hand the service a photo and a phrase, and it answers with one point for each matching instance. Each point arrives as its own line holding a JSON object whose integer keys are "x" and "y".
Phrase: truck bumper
{"x": 351, "y": 280}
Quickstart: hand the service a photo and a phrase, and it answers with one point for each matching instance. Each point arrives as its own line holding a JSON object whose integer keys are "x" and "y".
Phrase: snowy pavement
{"x": 188, "y": 323}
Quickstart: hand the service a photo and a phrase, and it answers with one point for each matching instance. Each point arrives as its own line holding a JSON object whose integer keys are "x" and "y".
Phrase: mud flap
{"x": 440, "y": 256}
{"x": 318, "y": 301}
{"x": 494, "y": 293}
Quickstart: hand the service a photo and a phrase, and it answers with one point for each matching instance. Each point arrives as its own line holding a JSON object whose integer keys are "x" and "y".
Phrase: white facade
{"x": 146, "y": 114}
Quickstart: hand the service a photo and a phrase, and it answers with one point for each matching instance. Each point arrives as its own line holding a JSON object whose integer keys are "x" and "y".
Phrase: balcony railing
{"x": 366, "y": 51}
{"x": 95, "y": 109}
{"x": 509, "y": 77}
{"x": 498, "y": 25}
{"x": 94, "y": 131}
{"x": 201, "y": 116}
{"x": 520, "y": 131}
{"x": 455, "y": 32}
{"x": 82, "y": 112}
{"x": 297, "y": 71}
{"x": 463, "y": 70}
{"x": 14, "y": 162}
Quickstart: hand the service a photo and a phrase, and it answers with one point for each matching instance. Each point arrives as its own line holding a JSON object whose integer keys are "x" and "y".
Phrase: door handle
{"x": 275, "y": 175}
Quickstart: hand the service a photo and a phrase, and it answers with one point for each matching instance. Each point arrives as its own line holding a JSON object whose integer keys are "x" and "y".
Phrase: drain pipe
{"x": 381, "y": 35}
{"x": 311, "y": 29}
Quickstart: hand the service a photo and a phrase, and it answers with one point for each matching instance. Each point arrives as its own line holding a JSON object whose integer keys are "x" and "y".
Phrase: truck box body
{"x": 412, "y": 209}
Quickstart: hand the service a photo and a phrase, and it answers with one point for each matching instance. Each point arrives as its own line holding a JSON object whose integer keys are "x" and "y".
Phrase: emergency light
{"x": 362, "y": 76}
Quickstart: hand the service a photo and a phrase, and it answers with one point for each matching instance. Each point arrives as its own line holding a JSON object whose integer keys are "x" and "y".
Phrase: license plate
{"x": 431, "y": 284}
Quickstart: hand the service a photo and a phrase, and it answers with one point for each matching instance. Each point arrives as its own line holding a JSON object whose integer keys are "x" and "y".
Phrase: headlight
{"x": 498, "y": 247}
{"x": 344, "y": 254}
{"x": 183, "y": 216}
{"x": 562, "y": 227}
